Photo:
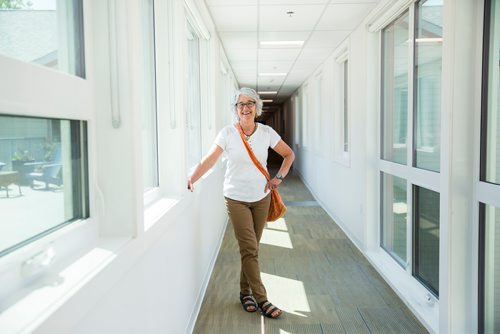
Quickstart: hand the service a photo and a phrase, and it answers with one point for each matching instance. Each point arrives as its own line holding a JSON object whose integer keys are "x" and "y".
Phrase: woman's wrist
{"x": 279, "y": 177}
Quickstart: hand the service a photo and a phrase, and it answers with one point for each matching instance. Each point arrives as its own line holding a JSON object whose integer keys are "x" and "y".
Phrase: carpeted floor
{"x": 312, "y": 272}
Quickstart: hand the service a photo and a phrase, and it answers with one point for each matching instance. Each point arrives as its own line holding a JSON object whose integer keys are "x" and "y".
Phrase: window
{"x": 394, "y": 217}
{"x": 489, "y": 185}
{"x": 341, "y": 106}
{"x": 305, "y": 123}
{"x": 193, "y": 95}
{"x": 427, "y": 84}
{"x": 490, "y": 263}
{"x": 43, "y": 178}
{"x": 297, "y": 120}
{"x": 426, "y": 238}
{"x": 149, "y": 115}
{"x": 345, "y": 108}
{"x": 48, "y": 33}
{"x": 316, "y": 118}
{"x": 43, "y": 156}
{"x": 410, "y": 118}
{"x": 395, "y": 90}
{"x": 490, "y": 150}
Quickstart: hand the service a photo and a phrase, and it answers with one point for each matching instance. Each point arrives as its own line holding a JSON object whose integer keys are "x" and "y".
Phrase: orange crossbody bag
{"x": 277, "y": 208}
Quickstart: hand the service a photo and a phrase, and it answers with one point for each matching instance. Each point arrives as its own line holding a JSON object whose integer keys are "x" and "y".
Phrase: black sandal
{"x": 247, "y": 301}
{"x": 268, "y": 309}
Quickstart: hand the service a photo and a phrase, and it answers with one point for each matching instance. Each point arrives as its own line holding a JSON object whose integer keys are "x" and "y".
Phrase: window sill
{"x": 413, "y": 294}
{"x": 50, "y": 291}
{"x": 165, "y": 207}
{"x": 343, "y": 159}
{"x": 159, "y": 209}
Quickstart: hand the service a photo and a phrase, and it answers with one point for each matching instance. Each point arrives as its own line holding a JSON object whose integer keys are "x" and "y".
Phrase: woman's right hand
{"x": 190, "y": 185}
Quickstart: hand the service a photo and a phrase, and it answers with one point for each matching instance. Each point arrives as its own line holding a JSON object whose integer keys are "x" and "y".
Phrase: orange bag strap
{"x": 250, "y": 153}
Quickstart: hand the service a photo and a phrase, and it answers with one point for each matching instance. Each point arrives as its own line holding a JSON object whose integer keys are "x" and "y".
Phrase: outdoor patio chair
{"x": 50, "y": 174}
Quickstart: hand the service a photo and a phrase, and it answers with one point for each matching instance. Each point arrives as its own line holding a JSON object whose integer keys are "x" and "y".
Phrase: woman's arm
{"x": 206, "y": 163}
{"x": 288, "y": 156}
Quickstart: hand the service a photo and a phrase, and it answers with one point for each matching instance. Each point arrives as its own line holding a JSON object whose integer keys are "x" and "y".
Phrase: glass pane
{"x": 193, "y": 101}
{"x": 305, "y": 120}
{"x": 45, "y": 32}
{"x": 149, "y": 114}
{"x": 346, "y": 101}
{"x": 492, "y": 270}
{"x": 395, "y": 90}
{"x": 491, "y": 160}
{"x": 428, "y": 54}
{"x": 43, "y": 178}
{"x": 394, "y": 217}
{"x": 426, "y": 238}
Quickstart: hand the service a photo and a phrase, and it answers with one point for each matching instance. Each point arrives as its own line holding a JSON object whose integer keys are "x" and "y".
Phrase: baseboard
{"x": 203, "y": 290}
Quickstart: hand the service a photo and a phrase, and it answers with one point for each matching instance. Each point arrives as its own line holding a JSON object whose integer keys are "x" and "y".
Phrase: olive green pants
{"x": 248, "y": 221}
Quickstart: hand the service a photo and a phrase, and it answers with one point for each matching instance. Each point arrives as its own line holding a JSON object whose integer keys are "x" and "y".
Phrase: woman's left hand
{"x": 272, "y": 184}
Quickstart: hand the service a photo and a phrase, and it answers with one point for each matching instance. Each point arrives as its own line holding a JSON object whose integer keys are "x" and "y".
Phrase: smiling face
{"x": 246, "y": 108}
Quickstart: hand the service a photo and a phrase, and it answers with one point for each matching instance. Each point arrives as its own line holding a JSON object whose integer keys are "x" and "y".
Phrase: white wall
{"x": 156, "y": 283}
{"x": 318, "y": 162}
{"x": 131, "y": 267}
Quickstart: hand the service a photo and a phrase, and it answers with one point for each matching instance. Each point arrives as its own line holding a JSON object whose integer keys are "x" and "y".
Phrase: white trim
{"x": 117, "y": 46}
{"x": 386, "y": 13}
{"x": 195, "y": 19}
{"x": 414, "y": 295}
{"x": 419, "y": 177}
{"x": 411, "y": 89}
{"x": 341, "y": 54}
{"x": 488, "y": 193}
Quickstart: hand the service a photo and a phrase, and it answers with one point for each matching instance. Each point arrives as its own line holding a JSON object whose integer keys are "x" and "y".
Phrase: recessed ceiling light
{"x": 282, "y": 44}
{"x": 267, "y": 100}
{"x": 266, "y": 92}
{"x": 277, "y": 74}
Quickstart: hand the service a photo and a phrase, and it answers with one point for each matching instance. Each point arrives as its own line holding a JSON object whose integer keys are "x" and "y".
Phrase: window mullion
{"x": 409, "y": 139}
{"x": 412, "y": 87}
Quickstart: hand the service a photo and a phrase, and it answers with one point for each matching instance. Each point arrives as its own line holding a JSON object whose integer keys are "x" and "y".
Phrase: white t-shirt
{"x": 243, "y": 181}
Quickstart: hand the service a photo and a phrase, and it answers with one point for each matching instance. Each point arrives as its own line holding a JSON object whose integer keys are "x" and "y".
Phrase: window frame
{"x": 194, "y": 21}
{"x": 149, "y": 17}
{"x": 341, "y": 110}
{"x": 415, "y": 177}
{"x": 488, "y": 193}
{"x": 30, "y": 95}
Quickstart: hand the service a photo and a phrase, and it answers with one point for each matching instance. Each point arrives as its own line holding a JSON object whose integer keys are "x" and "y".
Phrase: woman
{"x": 247, "y": 191}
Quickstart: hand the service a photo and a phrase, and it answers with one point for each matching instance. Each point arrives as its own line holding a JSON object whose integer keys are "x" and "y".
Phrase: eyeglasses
{"x": 242, "y": 105}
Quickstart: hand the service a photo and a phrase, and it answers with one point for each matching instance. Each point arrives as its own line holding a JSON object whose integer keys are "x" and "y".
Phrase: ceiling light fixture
{"x": 277, "y": 74}
{"x": 267, "y": 101}
{"x": 283, "y": 44}
{"x": 267, "y": 92}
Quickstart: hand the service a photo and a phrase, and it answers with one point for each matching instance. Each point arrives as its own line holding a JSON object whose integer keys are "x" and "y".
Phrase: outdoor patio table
{"x": 7, "y": 178}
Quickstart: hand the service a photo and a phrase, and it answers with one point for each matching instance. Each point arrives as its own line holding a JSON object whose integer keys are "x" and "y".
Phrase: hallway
{"x": 313, "y": 272}
{"x": 391, "y": 108}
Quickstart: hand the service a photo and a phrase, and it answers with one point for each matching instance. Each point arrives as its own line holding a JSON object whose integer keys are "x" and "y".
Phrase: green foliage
{"x": 22, "y": 155}
{"x": 15, "y": 4}
{"x": 48, "y": 149}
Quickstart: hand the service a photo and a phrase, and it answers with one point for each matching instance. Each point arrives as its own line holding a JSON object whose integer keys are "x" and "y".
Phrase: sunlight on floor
{"x": 274, "y": 236}
{"x": 280, "y": 224}
{"x": 288, "y": 294}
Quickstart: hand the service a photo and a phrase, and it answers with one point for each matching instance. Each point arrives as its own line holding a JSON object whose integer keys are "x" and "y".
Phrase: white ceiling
{"x": 321, "y": 24}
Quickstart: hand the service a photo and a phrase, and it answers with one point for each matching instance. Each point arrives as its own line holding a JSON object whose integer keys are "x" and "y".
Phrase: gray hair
{"x": 251, "y": 94}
